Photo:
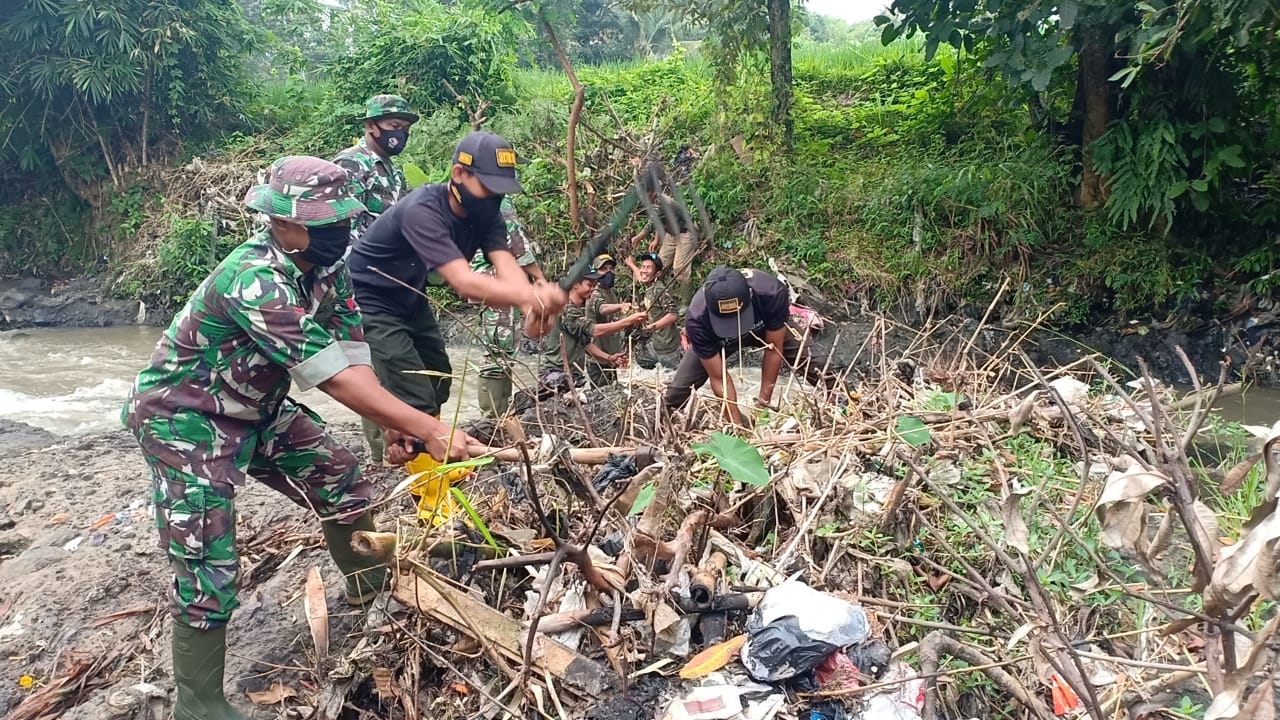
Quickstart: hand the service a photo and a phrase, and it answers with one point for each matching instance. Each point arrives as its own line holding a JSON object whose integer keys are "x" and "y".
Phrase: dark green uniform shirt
{"x": 572, "y": 331}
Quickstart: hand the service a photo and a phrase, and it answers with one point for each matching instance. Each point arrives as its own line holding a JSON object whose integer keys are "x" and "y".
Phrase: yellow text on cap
{"x": 732, "y": 305}
{"x": 506, "y": 157}
{"x": 465, "y": 158}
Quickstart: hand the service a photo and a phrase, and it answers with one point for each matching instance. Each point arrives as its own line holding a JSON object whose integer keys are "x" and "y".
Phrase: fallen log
{"x": 580, "y": 674}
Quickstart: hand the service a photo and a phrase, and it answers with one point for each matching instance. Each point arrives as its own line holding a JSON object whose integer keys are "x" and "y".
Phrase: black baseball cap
{"x": 729, "y": 302}
{"x": 492, "y": 159}
{"x": 657, "y": 261}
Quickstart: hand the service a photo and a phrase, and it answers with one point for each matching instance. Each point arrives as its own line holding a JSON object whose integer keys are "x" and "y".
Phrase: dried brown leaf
{"x": 1122, "y": 511}
{"x": 713, "y": 658}
{"x": 316, "y": 608}
{"x": 382, "y": 681}
{"x": 274, "y": 695}
{"x": 1163, "y": 535}
{"x": 1209, "y": 529}
{"x": 1016, "y": 533}
{"x": 1238, "y": 473}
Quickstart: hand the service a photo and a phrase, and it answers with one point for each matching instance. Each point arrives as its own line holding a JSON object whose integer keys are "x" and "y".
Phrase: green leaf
{"x": 1230, "y": 155}
{"x": 1040, "y": 79}
{"x": 475, "y": 517}
{"x": 643, "y": 498}
{"x": 912, "y": 430}
{"x": 1067, "y": 13}
{"x": 1177, "y": 189}
{"x": 889, "y": 34}
{"x": 735, "y": 456}
{"x": 1200, "y": 185}
{"x": 414, "y": 175}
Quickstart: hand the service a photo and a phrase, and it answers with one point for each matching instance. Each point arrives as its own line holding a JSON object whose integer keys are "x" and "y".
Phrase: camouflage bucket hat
{"x": 388, "y": 106}
{"x": 307, "y": 190}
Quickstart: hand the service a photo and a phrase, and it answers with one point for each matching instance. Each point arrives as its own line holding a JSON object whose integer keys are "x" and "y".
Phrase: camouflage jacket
{"x": 375, "y": 181}
{"x": 601, "y": 297}
{"x": 254, "y": 326}
{"x": 661, "y": 298}
{"x": 572, "y": 329}
{"x": 519, "y": 243}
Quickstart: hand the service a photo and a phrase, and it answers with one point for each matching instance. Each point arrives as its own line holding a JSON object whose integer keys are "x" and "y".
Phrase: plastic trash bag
{"x": 795, "y": 628}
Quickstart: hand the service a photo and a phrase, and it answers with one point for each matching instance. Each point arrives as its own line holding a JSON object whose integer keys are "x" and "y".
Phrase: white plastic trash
{"x": 795, "y": 628}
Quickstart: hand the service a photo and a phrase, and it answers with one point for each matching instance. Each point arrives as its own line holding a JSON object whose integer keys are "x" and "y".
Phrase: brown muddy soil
{"x": 82, "y": 579}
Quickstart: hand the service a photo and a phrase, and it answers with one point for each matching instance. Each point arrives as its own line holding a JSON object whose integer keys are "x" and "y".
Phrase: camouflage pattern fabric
{"x": 572, "y": 330}
{"x": 517, "y": 242}
{"x": 211, "y": 407}
{"x": 375, "y": 181}
{"x": 661, "y": 298}
{"x": 601, "y": 297}
{"x": 499, "y": 327}
{"x": 306, "y": 190}
{"x": 195, "y": 507}
{"x": 388, "y": 106}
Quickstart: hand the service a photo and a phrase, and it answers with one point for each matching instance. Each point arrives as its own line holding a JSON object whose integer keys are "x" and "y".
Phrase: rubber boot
{"x": 363, "y": 577}
{"x": 198, "y": 659}
{"x": 377, "y": 444}
{"x": 494, "y": 395}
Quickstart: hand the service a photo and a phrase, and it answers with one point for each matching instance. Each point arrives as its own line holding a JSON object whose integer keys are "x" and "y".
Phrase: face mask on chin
{"x": 478, "y": 209}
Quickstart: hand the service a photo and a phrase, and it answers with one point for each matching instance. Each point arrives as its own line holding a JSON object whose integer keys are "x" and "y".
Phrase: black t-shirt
{"x": 770, "y": 298}
{"x": 417, "y": 235}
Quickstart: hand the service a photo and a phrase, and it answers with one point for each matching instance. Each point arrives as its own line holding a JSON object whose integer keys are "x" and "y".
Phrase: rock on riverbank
{"x": 33, "y": 302}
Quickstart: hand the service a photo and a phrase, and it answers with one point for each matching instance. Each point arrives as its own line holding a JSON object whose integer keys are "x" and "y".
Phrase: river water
{"x": 72, "y": 381}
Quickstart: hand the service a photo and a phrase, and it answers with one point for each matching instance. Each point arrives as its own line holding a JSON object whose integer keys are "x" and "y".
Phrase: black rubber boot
{"x": 198, "y": 659}
{"x": 363, "y": 577}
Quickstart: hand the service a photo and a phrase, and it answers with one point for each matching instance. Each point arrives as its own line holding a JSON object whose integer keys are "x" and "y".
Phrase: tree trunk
{"x": 780, "y": 67}
{"x": 1095, "y": 91}
{"x": 575, "y": 112}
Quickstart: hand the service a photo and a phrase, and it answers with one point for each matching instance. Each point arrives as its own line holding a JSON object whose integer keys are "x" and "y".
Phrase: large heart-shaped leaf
{"x": 735, "y": 456}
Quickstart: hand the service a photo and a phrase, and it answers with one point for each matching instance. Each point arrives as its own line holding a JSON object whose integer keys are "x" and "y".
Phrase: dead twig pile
{"x": 1053, "y": 531}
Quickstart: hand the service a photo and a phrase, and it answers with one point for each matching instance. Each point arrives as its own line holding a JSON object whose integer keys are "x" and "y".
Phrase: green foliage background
{"x": 926, "y": 181}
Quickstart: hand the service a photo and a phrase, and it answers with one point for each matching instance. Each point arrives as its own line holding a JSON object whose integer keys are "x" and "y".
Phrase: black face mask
{"x": 606, "y": 281}
{"x": 392, "y": 142}
{"x": 478, "y": 209}
{"x": 328, "y": 243}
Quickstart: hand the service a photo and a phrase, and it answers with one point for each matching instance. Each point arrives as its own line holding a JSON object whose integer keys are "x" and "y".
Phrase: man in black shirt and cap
{"x": 736, "y": 309}
{"x": 432, "y": 234}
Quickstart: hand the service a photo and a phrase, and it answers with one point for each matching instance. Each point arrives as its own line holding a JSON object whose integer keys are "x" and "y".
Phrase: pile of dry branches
{"x": 557, "y": 593}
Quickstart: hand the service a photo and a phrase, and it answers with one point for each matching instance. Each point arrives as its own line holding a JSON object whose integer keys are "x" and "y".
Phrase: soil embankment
{"x": 34, "y": 302}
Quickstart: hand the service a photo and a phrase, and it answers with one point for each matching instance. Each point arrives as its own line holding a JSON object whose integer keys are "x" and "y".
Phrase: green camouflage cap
{"x": 388, "y": 106}
{"x": 306, "y": 190}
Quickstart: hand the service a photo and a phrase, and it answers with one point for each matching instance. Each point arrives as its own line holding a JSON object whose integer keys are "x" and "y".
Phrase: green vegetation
{"x": 928, "y": 169}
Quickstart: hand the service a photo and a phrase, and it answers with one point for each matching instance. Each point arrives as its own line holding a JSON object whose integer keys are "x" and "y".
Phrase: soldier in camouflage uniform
{"x": 500, "y": 327}
{"x": 601, "y": 306}
{"x": 212, "y": 409}
{"x": 574, "y": 335}
{"x": 661, "y": 301}
{"x": 375, "y": 180}
{"x": 378, "y": 183}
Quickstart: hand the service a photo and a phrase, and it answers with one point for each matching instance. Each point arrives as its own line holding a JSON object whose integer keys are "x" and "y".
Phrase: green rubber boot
{"x": 363, "y": 577}
{"x": 198, "y": 659}
{"x": 494, "y": 395}
{"x": 377, "y": 443}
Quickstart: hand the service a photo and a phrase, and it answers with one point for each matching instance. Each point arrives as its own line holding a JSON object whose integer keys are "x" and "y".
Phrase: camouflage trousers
{"x": 194, "y": 483}
{"x": 500, "y": 336}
